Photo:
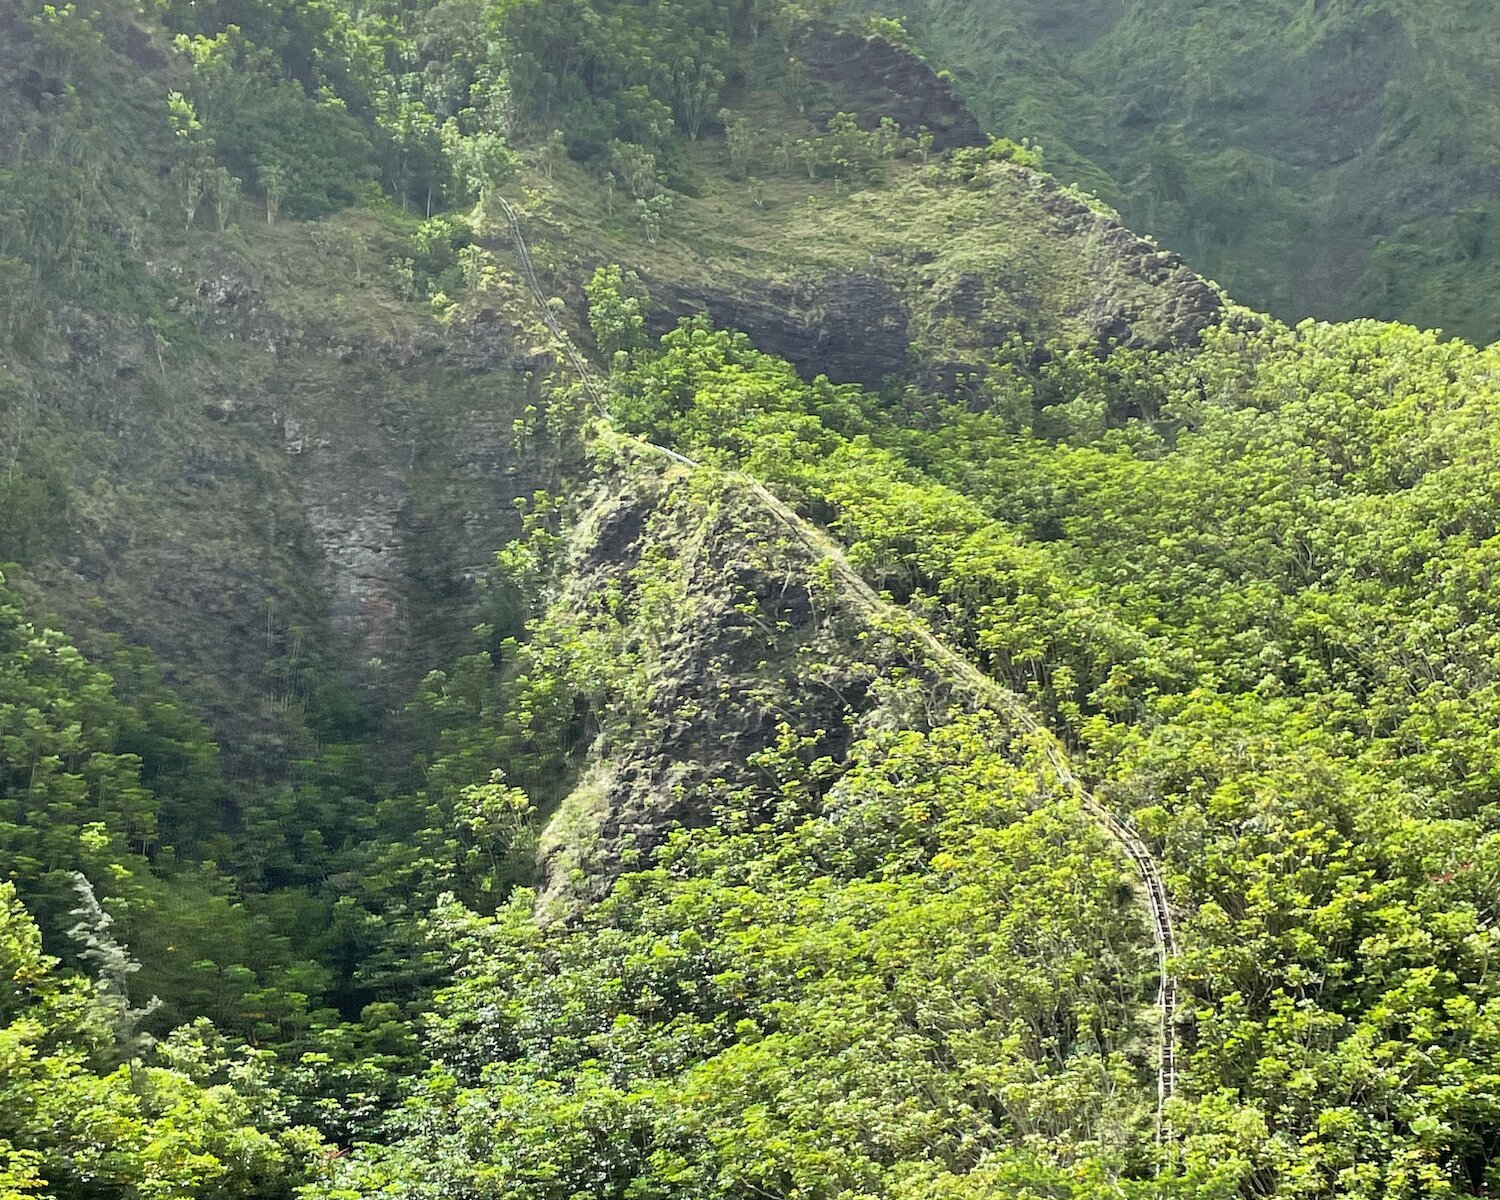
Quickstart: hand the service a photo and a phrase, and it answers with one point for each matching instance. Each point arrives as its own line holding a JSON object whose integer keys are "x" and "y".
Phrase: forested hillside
{"x": 1333, "y": 158}
{"x": 611, "y": 600}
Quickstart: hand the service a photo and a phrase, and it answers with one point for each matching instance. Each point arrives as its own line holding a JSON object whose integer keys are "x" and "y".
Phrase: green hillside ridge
{"x": 499, "y": 806}
{"x": 1317, "y": 157}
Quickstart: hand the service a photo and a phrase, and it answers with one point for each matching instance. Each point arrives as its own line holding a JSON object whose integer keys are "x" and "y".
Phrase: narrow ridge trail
{"x": 985, "y": 690}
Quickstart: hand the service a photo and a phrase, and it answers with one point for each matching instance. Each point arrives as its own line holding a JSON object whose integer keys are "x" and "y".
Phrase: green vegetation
{"x": 413, "y": 781}
{"x": 1257, "y": 616}
{"x": 931, "y": 977}
{"x": 1328, "y": 158}
{"x": 87, "y": 1111}
{"x": 1332, "y": 864}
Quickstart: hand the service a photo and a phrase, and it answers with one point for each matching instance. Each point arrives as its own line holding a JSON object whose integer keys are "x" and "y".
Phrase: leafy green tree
{"x": 652, "y": 213}
{"x": 618, "y": 307}
{"x": 272, "y": 178}
{"x": 188, "y": 1119}
{"x": 112, "y": 967}
{"x": 479, "y": 162}
{"x": 739, "y": 141}
{"x": 636, "y": 168}
{"x": 695, "y": 93}
{"x": 194, "y": 150}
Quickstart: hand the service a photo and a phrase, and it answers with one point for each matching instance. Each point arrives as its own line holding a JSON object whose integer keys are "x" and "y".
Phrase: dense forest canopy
{"x": 598, "y": 596}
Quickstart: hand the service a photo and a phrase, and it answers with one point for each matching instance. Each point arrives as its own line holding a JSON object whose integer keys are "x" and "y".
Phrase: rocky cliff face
{"x": 938, "y": 273}
{"x": 728, "y": 642}
{"x": 850, "y": 326}
{"x": 303, "y": 501}
{"x": 872, "y": 78}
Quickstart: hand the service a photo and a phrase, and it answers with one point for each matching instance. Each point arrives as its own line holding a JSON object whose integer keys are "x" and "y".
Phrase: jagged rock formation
{"x": 726, "y": 637}
{"x": 873, "y": 78}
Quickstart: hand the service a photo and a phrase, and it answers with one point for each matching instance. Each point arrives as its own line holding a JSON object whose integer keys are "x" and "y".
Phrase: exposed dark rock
{"x": 228, "y": 302}
{"x": 872, "y": 78}
{"x": 1182, "y": 304}
{"x": 849, "y": 327}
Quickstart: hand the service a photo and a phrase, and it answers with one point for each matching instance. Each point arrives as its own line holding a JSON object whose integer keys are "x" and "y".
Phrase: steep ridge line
{"x": 986, "y": 691}
{"x": 1002, "y": 699}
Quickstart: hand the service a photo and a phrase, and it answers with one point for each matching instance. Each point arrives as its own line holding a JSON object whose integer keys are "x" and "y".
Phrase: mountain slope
{"x": 1327, "y": 158}
{"x": 689, "y": 777}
